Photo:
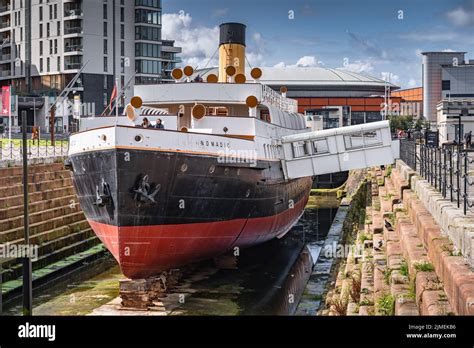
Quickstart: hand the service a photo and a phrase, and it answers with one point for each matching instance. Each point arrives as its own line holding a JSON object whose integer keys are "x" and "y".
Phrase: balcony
{"x": 72, "y": 66}
{"x": 5, "y": 73}
{"x": 73, "y": 31}
{"x": 5, "y": 25}
{"x": 5, "y": 41}
{"x": 4, "y": 8}
{"x": 73, "y": 49}
{"x": 73, "y": 13}
{"x": 5, "y": 57}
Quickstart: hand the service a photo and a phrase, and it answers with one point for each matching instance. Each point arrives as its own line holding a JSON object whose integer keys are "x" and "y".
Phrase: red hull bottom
{"x": 143, "y": 251}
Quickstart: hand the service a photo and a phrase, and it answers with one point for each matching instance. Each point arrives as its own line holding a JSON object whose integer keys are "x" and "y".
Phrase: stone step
{"x": 43, "y": 215}
{"x": 430, "y": 295}
{"x": 44, "y": 237}
{"x": 32, "y": 169}
{"x": 15, "y": 201}
{"x": 56, "y": 239}
{"x": 8, "y": 213}
{"x": 37, "y": 177}
{"x": 57, "y": 255}
{"x": 16, "y": 190}
{"x": 17, "y": 233}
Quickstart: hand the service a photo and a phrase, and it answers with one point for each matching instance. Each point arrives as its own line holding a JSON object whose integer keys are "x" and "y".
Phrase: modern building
{"x": 411, "y": 103}
{"x": 110, "y": 39}
{"x": 448, "y": 114}
{"x": 337, "y": 96}
{"x": 446, "y": 75}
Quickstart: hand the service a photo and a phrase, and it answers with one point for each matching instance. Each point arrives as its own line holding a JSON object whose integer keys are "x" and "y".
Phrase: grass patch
{"x": 363, "y": 237}
{"x": 424, "y": 267}
{"x": 404, "y": 270}
{"x": 386, "y": 305}
{"x": 387, "y": 274}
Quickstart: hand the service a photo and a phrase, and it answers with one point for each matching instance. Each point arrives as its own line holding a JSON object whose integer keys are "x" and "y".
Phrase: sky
{"x": 380, "y": 38}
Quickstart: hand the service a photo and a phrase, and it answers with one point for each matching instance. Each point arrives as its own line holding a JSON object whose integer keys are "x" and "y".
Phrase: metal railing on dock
{"x": 13, "y": 150}
{"x": 449, "y": 169}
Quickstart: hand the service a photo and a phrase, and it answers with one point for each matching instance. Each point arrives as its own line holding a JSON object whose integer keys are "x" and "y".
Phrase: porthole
{"x": 139, "y": 138}
{"x": 184, "y": 167}
{"x": 247, "y": 194}
{"x": 212, "y": 169}
{"x": 103, "y": 137}
{"x": 226, "y": 171}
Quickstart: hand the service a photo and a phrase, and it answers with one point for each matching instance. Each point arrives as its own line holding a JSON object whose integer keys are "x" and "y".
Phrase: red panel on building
{"x": 355, "y": 101}
{"x": 374, "y": 101}
{"x": 319, "y": 101}
{"x": 304, "y": 101}
{"x": 337, "y": 101}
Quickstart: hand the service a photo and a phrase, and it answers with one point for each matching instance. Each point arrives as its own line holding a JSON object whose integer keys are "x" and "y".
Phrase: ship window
{"x": 363, "y": 139}
{"x": 300, "y": 149}
{"x": 373, "y": 138}
{"x": 353, "y": 141}
{"x": 320, "y": 146}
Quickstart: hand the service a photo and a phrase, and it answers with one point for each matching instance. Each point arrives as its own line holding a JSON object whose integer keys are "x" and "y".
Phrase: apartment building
{"x": 109, "y": 39}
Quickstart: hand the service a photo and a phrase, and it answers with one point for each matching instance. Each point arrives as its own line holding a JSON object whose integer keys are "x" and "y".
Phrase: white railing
{"x": 273, "y": 98}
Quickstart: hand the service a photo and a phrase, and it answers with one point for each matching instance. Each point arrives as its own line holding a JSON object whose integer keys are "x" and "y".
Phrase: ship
{"x": 207, "y": 184}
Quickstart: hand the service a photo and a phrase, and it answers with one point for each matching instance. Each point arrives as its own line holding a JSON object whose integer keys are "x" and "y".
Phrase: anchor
{"x": 144, "y": 193}
{"x": 104, "y": 198}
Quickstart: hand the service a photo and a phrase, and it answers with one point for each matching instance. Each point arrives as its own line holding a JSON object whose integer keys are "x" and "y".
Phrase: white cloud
{"x": 462, "y": 16}
{"x": 358, "y": 66}
{"x": 303, "y": 62}
{"x": 198, "y": 42}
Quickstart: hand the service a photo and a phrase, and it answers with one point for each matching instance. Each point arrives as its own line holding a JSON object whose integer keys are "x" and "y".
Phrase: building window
{"x": 105, "y": 28}
{"x": 55, "y": 46}
{"x": 48, "y": 66}
{"x": 50, "y": 12}
{"x": 122, "y": 14}
{"x": 59, "y": 63}
{"x": 151, "y": 67}
{"x": 147, "y": 33}
{"x": 122, "y": 32}
{"x": 148, "y": 3}
{"x": 55, "y": 11}
{"x": 106, "y": 99}
{"x": 148, "y": 16}
{"x": 41, "y": 48}
{"x": 50, "y": 46}
{"x": 105, "y": 46}
{"x": 41, "y": 30}
{"x": 105, "y": 82}
{"x": 48, "y": 32}
{"x": 59, "y": 29}
{"x": 105, "y": 11}
{"x": 41, "y": 13}
{"x": 122, "y": 48}
{"x": 147, "y": 50}
{"x": 105, "y": 65}
{"x": 41, "y": 65}
{"x": 446, "y": 85}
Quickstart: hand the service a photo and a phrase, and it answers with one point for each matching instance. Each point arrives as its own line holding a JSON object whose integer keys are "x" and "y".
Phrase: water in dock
{"x": 270, "y": 280}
